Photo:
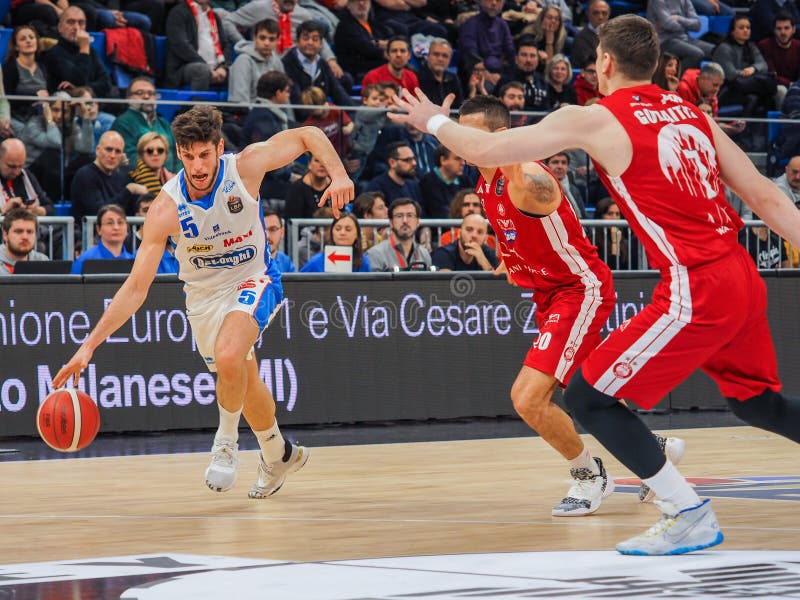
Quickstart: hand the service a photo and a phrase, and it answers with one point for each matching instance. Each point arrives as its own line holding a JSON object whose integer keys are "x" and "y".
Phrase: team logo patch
{"x": 511, "y": 236}
{"x": 623, "y": 370}
{"x": 501, "y": 210}
{"x": 235, "y": 204}
{"x": 569, "y": 353}
{"x": 226, "y": 260}
{"x": 499, "y": 187}
{"x": 227, "y": 186}
{"x": 215, "y": 228}
{"x": 200, "y": 248}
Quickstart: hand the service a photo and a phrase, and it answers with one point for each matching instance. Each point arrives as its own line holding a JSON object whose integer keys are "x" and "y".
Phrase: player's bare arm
{"x": 759, "y": 193}
{"x": 161, "y": 221}
{"x": 568, "y": 127}
{"x": 284, "y": 147}
{"x": 532, "y": 188}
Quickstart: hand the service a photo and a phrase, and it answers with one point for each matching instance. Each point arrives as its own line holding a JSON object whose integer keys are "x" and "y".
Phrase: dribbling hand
{"x": 339, "y": 192}
{"x": 78, "y": 362}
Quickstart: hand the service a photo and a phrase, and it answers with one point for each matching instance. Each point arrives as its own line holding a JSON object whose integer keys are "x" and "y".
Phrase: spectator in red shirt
{"x": 586, "y": 82}
{"x": 782, "y": 53}
{"x": 398, "y": 51}
{"x": 704, "y": 84}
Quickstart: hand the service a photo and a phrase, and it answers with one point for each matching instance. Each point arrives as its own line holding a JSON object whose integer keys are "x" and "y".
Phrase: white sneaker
{"x": 673, "y": 448}
{"x": 221, "y": 473}
{"x": 271, "y": 477}
{"x": 586, "y": 493}
{"x": 677, "y": 532}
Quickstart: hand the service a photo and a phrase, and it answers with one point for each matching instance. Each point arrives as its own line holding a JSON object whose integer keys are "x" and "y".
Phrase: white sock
{"x": 228, "y": 423}
{"x": 272, "y": 443}
{"x": 584, "y": 460}
{"x": 670, "y": 485}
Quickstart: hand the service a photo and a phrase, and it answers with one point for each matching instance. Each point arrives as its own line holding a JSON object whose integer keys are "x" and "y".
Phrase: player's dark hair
{"x": 494, "y": 112}
{"x": 633, "y": 42}
{"x": 198, "y": 124}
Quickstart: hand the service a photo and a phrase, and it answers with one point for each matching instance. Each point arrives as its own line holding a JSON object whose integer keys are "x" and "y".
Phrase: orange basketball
{"x": 68, "y": 420}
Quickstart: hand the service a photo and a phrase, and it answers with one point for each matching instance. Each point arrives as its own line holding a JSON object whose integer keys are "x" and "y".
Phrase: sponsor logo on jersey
{"x": 226, "y": 260}
{"x": 245, "y": 285}
{"x": 623, "y": 370}
{"x": 183, "y": 210}
{"x": 506, "y": 224}
{"x": 665, "y": 98}
{"x": 499, "y": 187}
{"x": 227, "y": 186}
{"x": 235, "y": 204}
{"x": 200, "y": 248}
{"x": 511, "y": 236}
{"x": 237, "y": 240}
{"x": 552, "y": 319}
{"x": 217, "y": 233}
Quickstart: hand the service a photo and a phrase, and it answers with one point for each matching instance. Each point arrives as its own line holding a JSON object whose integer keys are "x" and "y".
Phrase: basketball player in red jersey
{"x": 544, "y": 248}
{"x": 664, "y": 162}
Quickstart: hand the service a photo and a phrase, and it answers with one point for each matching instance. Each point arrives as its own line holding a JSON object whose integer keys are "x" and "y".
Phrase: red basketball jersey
{"x": 545, "y": 253}
{"x": 671, "y": 193}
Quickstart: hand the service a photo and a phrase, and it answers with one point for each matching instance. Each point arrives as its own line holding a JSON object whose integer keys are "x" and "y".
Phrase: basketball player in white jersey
{"x": 211, "y": 213}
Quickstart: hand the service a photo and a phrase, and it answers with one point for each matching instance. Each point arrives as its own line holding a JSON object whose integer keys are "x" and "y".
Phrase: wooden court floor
{"x": 372, "y": 501}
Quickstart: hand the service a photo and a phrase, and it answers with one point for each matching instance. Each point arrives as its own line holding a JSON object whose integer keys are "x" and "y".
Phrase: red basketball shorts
{"x": 713, "y": 318}
{"x": 569, "y": 329}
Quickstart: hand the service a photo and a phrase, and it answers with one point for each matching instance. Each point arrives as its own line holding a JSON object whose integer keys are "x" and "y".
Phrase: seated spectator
{"x": 102, "y": 182}
{"x": 267, "y": 119}
{"x": 398, "y": 51}
{"x": 703, "y": 85}
{"x": 100, "y": 15}
{"x": 712, "y": 8}
{"x": 469, "y": 251}
{"x": 112, "y": 229}
{"x": 19, "y": 239}
{"x": 465, "y": 202}
{"x": 763, "y": 13}
{"x": 477, "y": 78}
{"x": 360, "y": 39}
{"x": 400, "y": 251}
{"x": 88, "y": 119}
{"x": 142, "y": 117}
{"x": 275, "y": 231}
{"x": 613, "y": 245}
{"x": 150, "y": 171}
{"x": 23, "y": 74}
{"x": 548, "y": 32}
{"x": 43, "y": 135}
{"x": 19, "y": 187}
{"x": 585, "y": 45}
{"x": 197, "y": 47}
{"x": 401, "y": 16}
{"x": 400, "y": 181}
{"x": 344, "y": 231}
{"x": 558, "y": 74}
{"x": 371, "y": 205}
{"x": 366, "y": 127}
{"x": 512, "y": 95}
{"x": 440, "y": 185}
{"x": 43, "y": 15}
{"x": 782, "y": 52}
{"x": 304, "y": 195}
{"x": 789, "y": 182}
{"x": 525, "y": 71}
{"x": 586, "y": 82}
{"x": 305, "y": 67}
{"x": 764, "y": 246}
{"x": 673, "y": 20}
{"x": 254, "y": 59}
{"x": 668, "y": 72}
{"x": 487, "y": 35}
{"x": 310, "y": 241}
{"x": 423, "y": 145}
{"x": 559, "y": 165}
{"x": 747, "y": 81}
{"x": 434, "y": 78}
{"x": 334, "y": 122}
{"x": 72, "y": 62}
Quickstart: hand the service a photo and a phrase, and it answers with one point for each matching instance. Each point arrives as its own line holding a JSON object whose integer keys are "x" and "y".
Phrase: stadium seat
{"x": 188, "y": 96}
{"x": 161, "y": 53}
{"x": 719, "y": 24}
{"x": 773, "y": 128}
{"x": 704, "y": 22}
{"x": 99, "y": 45}
{"x": 5, "y": 5}
{"x": 5, "y": 37}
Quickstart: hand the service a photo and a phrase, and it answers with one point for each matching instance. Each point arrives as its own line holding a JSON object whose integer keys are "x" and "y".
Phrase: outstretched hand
{"x": 419, "y": 109}
{"x": 339, "y": 192}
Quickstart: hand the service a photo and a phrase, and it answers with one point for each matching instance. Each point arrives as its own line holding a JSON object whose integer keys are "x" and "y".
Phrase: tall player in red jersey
{"x": 544, "y": 248}
{"x": 664, "y": 162}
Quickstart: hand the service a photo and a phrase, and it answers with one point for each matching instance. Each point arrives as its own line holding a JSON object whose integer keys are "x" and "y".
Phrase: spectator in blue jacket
{"x": 344, "y": 231}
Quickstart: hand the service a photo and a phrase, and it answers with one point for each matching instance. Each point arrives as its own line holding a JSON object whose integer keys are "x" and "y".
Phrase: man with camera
{"x": 18, "y": 187}
{"x": 400, "y": 251}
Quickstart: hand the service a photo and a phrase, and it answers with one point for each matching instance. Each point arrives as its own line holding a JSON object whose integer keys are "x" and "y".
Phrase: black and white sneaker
{"x": 586, "y": 493}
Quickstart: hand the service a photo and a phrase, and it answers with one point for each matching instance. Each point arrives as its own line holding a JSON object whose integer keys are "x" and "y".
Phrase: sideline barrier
{"x": 343, "y": 349}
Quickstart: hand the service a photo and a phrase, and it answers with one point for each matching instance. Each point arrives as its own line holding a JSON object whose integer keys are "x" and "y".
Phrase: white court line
{"x": 587, "y": 522}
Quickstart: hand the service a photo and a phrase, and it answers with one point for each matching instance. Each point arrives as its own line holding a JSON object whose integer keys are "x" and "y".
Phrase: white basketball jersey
{"x": 223, "y": 240}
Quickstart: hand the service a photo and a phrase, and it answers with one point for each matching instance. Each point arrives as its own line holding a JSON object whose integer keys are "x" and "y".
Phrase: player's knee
{"x": 229, "y": 362}
{"x": 581, "y": 398}
{"x": 529, "y": 402}
{"x": 759, "y": 411}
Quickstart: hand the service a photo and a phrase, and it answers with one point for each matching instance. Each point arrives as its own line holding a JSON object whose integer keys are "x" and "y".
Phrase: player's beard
{"x": 211, "y": 180}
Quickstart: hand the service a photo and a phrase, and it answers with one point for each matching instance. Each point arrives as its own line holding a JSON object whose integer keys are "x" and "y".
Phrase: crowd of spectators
{"x": 348, "y": 59}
